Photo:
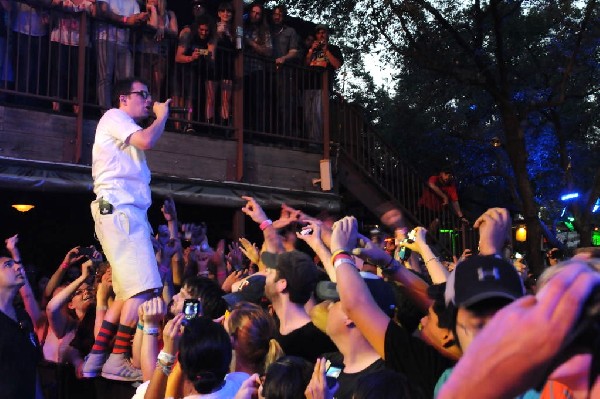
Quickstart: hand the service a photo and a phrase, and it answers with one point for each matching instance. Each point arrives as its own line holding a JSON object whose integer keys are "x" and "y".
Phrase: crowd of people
{"x": 193, "y": 64}
{"x": 331, "y": 320}
{"x": 317, "y": 310}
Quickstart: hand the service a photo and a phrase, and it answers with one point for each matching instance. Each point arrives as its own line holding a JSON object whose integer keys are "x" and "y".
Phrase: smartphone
{"x": 192, "y": 308}
{"x": 331, "y": 376}
{"x": 518, "y": 255}
{"x": 87, "y": 251}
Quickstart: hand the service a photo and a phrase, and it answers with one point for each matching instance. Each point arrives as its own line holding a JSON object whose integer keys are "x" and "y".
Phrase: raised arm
{"x": 313, "y": 238}
{"x": 70, "y": 258}
{"x": 171, "y": 336}
{"x": 145, "y": 139}
{"x": 414, "y": 286}
{"x": 31, "y": 304}
{"x": 58, "y": 321}
{"x": 436, "y": 269}
{"x": 355, "y": 297}
{"x": 256, "y": 213}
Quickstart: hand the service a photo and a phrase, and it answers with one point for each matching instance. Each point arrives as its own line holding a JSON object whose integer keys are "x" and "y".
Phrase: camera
{"x": 87, "y": 251}
{"x": 192, "y": 308}
{"x": 404, "y": 252}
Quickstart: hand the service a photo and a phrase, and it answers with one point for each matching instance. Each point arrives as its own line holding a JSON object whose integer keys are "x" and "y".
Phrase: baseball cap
{"x": 483, "y": 277}
{"x": 252, "y": 290}
{"x": 296, "y": 267}
{"x": 380, "y": 290}
{"x": 321, "y": 27}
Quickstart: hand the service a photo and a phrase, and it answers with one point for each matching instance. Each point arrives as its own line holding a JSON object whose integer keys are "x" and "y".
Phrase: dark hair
{"x": 444, "y": 313}
{"x": 225, "y": 5}
{"x": 298, "y": 293}
{"x": 382, "y": 384}
{"x": 263, "y": 28}
{"x": 209, "y": 293}
{"x": 123, "y": 87}
{"x": 287, "y": 378}
{"x": 282, "y": 8}
{"x": 204, "y": 354}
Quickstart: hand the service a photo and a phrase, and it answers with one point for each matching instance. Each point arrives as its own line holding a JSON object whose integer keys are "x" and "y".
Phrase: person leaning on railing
{"x": 64, "y": 48}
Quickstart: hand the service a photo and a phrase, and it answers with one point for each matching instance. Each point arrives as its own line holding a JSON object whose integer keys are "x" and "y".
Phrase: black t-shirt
{"x": 19, "y": 356}
{"x": 347, "y": 381}
{"x": 318, "y": 59}
{"x": 421, "y": 363}
{"x": 307, "y": 341}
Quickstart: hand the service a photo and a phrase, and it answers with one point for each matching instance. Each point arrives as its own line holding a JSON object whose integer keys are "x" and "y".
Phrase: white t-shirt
{"x": 110, "y": 32}
{"x": 233, "y": 382}
{"x": 121, "y": 175}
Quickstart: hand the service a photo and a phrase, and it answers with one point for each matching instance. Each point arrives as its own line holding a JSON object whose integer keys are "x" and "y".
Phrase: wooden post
{"x": 325, "y": 102}
{"x": 238, "y": 90}
{"x": 80, "y": 85}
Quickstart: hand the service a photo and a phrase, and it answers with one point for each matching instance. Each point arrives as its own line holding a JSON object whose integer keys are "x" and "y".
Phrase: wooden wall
{"x": 42, "y": 136}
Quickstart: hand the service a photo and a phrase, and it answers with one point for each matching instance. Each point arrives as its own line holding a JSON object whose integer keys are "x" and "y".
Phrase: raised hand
{"x": 234, "y": 257}
{"x": 254, "y": 210}
{"x": 494, "y": 230}
{"x": 317, "y": 387}
{"x": 168, "y": 209}
{"x": 250, "y": 250}
{"x": 344, "y": 235}
{"x": 11, "y": 242}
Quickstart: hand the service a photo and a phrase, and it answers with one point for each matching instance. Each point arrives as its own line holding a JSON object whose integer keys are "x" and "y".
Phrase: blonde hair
{"x": 254, "y": 330}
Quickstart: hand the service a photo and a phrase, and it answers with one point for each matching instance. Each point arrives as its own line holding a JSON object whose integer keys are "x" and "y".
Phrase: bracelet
{"x": 388, "y": 264}
{"x": 165, "y": 368}
{"x": 265, "y": 224}
{"x": 340, "y": 254}
{"x": 339, "y": 261}
{"x": 63, "y": 265}
{"x": 430, "y": 259}
{"x": 151, "y": 331}
{"x": 105, "y": 308}
{"x": 140, "y": 326}
{"x": 166, "y": 358}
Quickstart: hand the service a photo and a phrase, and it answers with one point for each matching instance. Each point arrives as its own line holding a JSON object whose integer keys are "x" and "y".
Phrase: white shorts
{"x": 125, "y": 238}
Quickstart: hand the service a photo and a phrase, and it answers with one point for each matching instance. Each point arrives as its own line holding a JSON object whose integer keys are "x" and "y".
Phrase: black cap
{"x": 380, "y": 290}
{"x": 483, "y": 277}
{"x": 252, "y": 290}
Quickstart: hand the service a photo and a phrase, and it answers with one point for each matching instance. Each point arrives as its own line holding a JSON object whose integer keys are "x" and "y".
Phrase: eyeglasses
{"x": 142, "y": 93}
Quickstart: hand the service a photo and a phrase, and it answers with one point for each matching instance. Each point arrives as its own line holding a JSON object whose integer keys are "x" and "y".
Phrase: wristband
{"x": 340, "y": 255}
{"x": 140, "y": 326}
{"x": 265, "y": 224}
{"x": 63, "y": 265}
{"x": 165, "y": 368}
{"x": 340, "y": 260}
{"x": 106, "y": 308}
{"x": 166, "y": 358}
{"x": 338, "y": 252}
{"x": 124, "y": 20}
{"x": 151, "y": 331}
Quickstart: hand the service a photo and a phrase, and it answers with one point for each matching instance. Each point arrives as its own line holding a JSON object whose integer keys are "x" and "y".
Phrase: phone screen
{"x": 192, "y": 308}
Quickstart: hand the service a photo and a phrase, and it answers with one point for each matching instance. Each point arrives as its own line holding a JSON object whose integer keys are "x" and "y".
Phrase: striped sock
{"x": 105, "y": 335}
{"x": 123, "y": 339}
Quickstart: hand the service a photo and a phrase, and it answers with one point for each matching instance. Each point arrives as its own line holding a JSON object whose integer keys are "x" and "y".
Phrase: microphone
{"x": 179, "y": 110}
